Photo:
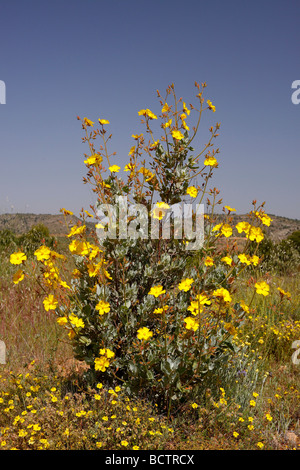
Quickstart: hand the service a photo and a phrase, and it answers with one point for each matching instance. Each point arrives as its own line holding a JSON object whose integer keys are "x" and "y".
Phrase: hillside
{"x": 22, "y": 223}
{"x": 280, "y": 228}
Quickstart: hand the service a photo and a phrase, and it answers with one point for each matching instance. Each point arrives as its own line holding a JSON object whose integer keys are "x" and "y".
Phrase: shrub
{"x": 8, "y": 240}
{"x": 147, "y": 311}
{"x": 37, "y": 235}
{"x": 295, "y": 238}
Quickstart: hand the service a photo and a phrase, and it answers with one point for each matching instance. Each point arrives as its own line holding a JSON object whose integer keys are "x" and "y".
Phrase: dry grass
{"x": 32, "y": 334}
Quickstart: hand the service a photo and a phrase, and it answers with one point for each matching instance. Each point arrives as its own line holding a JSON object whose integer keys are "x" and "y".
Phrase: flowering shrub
{"x": 147, "y": 311}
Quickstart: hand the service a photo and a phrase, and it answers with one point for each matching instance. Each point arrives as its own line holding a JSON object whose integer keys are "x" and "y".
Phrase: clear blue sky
{"x": 94, "y": 58}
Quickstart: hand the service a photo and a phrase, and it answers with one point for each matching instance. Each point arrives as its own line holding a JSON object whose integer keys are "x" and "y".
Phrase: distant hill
{"x": 22, "y": 223}
{"x": 280, "y": 228}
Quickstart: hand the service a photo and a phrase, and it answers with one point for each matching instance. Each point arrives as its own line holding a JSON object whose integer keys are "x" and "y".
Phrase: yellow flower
{"x": 79, "y": 247}
{"x": 76, "y": 230}
{"x": 266, "y": 220}
{"x": 42, "y": 253}
{"x": 88, "y": 122}
{"x": 18, "y": 276}
{"x": 197, "y": 305}
{"x": 165, "y": 108}
{"x": 18, "y": 258}
{"x": 208, "y": 261}
{"x": 66, "y": 212}
{"x": 211, "y": 106}
{"x": 114, "y": 168}
{"x": 191, "y": 323}
{"x": 177, "y": 135}
{"x": 252, "y": 402}
{"x": 217, "y": 227}
{"x": 223, "y": 294}
{"x": 144, "y": 333}
{"x": 254, "y": 260}
{"x": 255, "y": 233}
{"x": 227, "y": 260}
{"x": 161, "y": 310}
{"x": 194, "y": 405}
{"x": 147, "y": 112}
{"x": 156, "y": 291}
{"x": 243, "y": 227}
{"x": 103, "y": 121}
{"x": 210, "y": 161}
{"x": 185, "y": 284}
{"x": 136, "y": 136}
{"x": 154, "y": 144}
{"x": 50, "y": 303}
{"x": 260, "y": 445}
{"x": 150, "y": 114}
{"x": 230, "y": 209}
{"x": 124, "y": 443}
{"x": 262, "y": 288}
{"x": 167, "y": 124}
{"x": 102, "y": 307}
{"x": 244, "y": 306}
{"x": 93, "y": 159}
{"x": 185, "y": 109}
{"x": 62, "y": 321}
{"x": 131, "y": 151}
{"x": 93, "y": 269}
{"x": 244, "y": 259}
{"x": 101, "y": 363}
{"x": 192, "y": 191}
{"x": 226, "y": 230}
{"x": 283, "y": 293}
{"x": 75, "y": 321}
{"x": 186, "y": 127}
{"x": 235, "y": 434}
{"x": 107, "y": 352}
{"x": 159, "y": 210}
{"x": 269, "y": 417}
{"x": 129, "y": 167}
{"x": 146, "y": 173}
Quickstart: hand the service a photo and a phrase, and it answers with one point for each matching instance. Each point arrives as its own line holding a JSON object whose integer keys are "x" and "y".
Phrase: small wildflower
{"x": 144, "y": 333}
{"x": 156, "y": 291}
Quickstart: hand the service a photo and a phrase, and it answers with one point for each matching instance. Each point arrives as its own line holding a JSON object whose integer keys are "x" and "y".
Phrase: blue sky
{"x": 60, "y": 59}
